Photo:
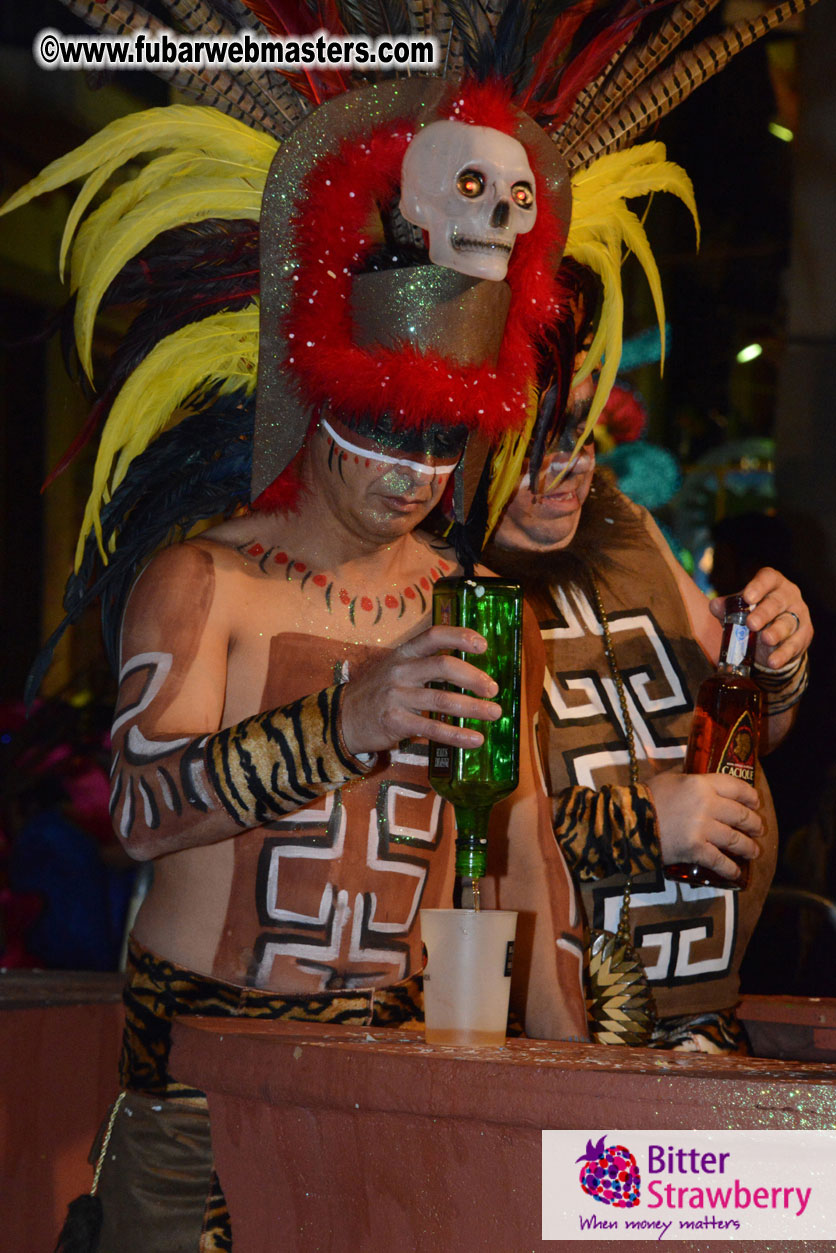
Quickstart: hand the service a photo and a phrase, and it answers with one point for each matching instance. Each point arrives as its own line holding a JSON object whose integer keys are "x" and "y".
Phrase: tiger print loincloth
{"x": 158, "y": 990}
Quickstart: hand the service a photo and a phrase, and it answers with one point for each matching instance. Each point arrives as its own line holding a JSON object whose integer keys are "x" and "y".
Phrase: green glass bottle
{"x": 474, "y": 779}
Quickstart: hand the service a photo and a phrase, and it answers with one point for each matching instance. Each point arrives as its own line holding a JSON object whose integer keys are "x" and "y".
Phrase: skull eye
{"x": 523, "y": 195}
{"x": 470, "y": 183}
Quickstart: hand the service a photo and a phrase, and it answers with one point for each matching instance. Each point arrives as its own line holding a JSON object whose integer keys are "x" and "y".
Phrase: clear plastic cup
{"x": 467, "y": 977}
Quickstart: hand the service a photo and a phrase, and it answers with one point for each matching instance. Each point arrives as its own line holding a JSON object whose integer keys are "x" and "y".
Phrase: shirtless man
{"x": 294, "y": 847}
{"x": 258, "y": 613}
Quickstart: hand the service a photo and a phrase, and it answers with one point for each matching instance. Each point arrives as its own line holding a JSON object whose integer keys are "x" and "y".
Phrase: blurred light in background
{"x": 750, "y": 353}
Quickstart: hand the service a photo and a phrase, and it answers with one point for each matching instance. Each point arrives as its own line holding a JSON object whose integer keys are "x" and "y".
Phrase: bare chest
{"x": 290, "y": 636}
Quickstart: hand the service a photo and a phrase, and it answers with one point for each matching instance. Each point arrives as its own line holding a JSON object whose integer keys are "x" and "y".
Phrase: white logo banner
{"x": 689, "y": 1185}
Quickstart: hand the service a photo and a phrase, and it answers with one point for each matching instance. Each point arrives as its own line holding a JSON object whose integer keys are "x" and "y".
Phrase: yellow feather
{"x": 170, "y": 206}
{"x": 92, "y": 235}
{"x": 174, "y": 126}
{"x": 506, "y": 466}
{"x": 207, "y": 165}
{"x": 221, "y": 350}
{"x": 227, "y": 156}
{"x": 601, "y": 227}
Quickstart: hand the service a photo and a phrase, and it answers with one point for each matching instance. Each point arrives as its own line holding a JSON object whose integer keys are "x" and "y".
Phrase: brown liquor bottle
{"x": 724, "y": 733}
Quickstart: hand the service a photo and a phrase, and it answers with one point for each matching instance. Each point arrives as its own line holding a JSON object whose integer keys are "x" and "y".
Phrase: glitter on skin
{"x": 397, "y": 482}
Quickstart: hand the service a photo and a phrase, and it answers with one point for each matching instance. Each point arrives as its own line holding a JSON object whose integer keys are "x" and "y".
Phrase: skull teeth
{"x": 463, "y": 243}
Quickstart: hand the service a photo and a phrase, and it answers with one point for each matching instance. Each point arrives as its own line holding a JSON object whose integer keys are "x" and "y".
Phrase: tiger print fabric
{"x": 783, "y": 688}
{"x": 158, "y": 990}
{"x": 719, "y": 1031}
{"x": 272, "y": 763}
{"x": 216, "y": 1236}
{"x": 611, "y": 831}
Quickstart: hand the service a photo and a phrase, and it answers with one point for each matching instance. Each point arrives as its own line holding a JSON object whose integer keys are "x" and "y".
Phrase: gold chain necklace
{"x": 609, "y": 651}
{"x": 620, "y": 1003}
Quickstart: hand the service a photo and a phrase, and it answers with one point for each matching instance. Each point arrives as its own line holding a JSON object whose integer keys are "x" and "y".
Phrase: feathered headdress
{"x": 178, "y": 239}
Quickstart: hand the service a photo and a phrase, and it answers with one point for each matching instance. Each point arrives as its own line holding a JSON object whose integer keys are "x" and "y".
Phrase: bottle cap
{"x": 735, "y": 605}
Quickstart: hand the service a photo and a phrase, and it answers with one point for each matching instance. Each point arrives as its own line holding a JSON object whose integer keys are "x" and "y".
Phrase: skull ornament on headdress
{"x": 350, "y": 323}
{"x": 472, "y": 190}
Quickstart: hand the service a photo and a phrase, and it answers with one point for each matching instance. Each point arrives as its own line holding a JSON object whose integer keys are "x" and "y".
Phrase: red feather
{"x": 284, "y": 494}
{"x": 485, "y": 103}
{"x": 589, "y": 63}
{"x": 83, "y": 437}
{"x": 332, "y": 242}
{"x": 283, "y": 17}
{"x": 557, "y": 42}
{"x": 294, "y": 17}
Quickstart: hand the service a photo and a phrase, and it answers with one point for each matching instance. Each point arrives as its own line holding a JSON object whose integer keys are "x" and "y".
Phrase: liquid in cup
{"x": 467, "y": 977}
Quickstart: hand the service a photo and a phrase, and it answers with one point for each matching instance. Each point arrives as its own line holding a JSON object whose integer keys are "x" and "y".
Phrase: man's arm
{"x": 181, "y": 779}
{"x": 177, "y": 779}
{"x": 608, "y": 831}
{"x": 675, "y": 817}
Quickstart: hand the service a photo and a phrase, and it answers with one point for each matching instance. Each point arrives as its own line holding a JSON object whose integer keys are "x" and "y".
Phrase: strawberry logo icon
{"x": 610, "y": 1174}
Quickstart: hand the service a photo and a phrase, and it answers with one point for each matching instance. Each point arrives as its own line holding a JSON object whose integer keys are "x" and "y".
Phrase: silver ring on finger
{"x": 793, "y": 614}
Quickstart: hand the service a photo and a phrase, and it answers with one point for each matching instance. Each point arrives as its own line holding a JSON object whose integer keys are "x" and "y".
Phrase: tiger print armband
{"x": 782, "y": 688}
{"x": 278, "y": 761}
{"x": 610, "y": 831}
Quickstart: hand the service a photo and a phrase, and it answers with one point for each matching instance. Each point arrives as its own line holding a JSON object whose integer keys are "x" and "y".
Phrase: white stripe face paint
{"x": 369, "y": 454}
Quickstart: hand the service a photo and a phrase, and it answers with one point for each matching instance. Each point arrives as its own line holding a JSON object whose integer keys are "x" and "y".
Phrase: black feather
{"x": 198, "y": 469}
{"x": 374, "y": 17}
{"x": 472, "y": 24}
{"x": 511, "y": 41}
{"x": 236, "y": 13}
{"x": 467, "y": 538}
{"x": 189, "y": 273}
{"x": 539, "y": 18}
{"x": 544, "y": 426}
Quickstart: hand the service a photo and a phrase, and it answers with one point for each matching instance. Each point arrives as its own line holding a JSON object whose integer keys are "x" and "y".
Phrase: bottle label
{"x": 738, "y": 755}
{"x": 441, "y": 761}
{"x": 738, "y": 643}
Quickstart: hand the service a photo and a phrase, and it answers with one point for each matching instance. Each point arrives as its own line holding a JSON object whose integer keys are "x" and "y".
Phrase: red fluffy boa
{"x": 333, "y": 240}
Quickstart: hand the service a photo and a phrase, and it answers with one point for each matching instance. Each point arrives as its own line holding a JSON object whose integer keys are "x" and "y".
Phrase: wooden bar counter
{"x": 59, "y": 1042}
{"x": 343, "y": 1139}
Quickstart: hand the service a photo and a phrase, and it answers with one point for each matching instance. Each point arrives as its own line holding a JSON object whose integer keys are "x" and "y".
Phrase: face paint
{"x": 558, "y": 458}
{"x": 438, "y": 447}
{"x": 544, "y": 517}
{"x": 381, "y": 482}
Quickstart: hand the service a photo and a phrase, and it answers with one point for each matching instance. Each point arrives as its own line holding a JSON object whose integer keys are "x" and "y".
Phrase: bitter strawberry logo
{"x": 610, "y": 1174}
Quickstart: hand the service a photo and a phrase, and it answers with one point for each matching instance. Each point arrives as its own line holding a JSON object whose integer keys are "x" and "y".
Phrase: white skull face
{"x": 471, "y": 188}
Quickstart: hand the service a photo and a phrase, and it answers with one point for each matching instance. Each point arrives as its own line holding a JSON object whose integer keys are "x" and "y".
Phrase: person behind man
{"x": 594, "y": 565}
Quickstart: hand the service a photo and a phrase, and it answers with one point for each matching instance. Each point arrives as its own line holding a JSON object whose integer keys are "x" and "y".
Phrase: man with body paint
{"x": 323, "y": 612}
{"x": 264, "y": 664}
{"x": 294, "y": 846}
{"x": 274, "y": 672}
{"x": 594, "y": 564}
